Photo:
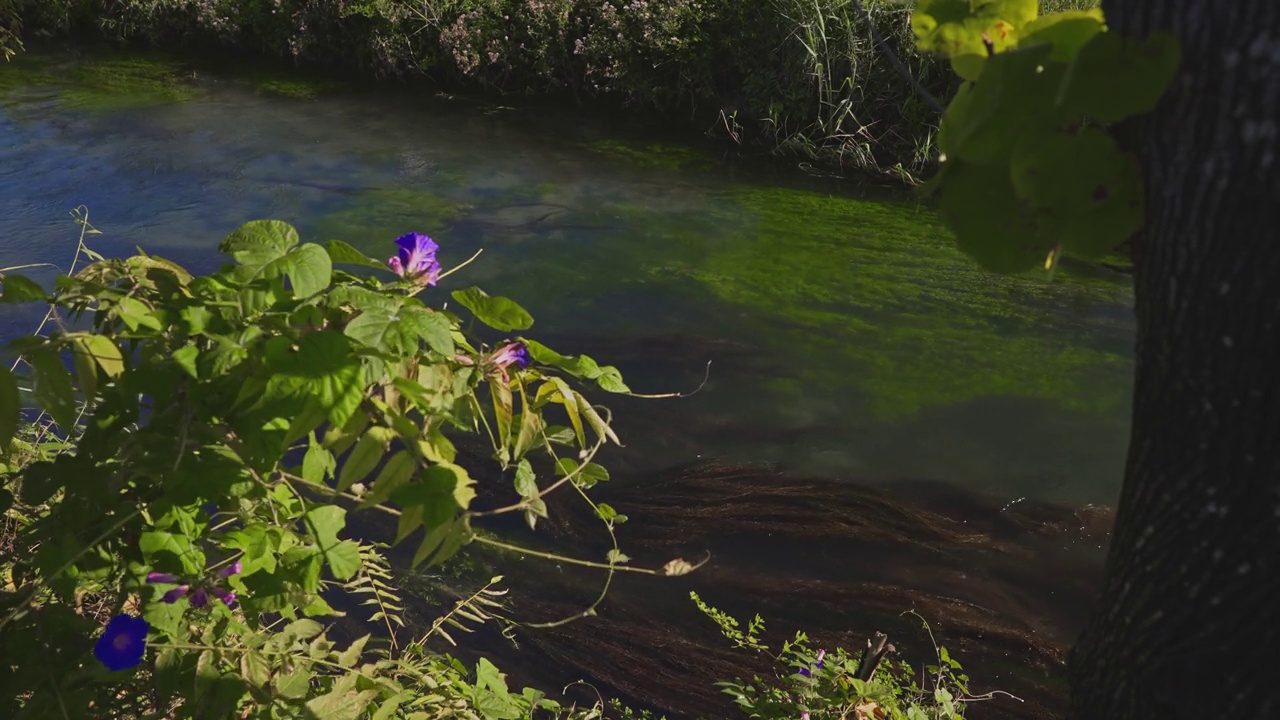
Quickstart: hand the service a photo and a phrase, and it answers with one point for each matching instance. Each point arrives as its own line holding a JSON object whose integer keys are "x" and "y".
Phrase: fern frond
{"x": 471, "y": 609}
{"x": 375, "y": 572}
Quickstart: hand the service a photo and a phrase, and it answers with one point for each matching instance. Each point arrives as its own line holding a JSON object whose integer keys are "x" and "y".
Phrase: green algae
{"x": 101, "y": 82}
{"x": 377, "y": 216}
{"x": 878, "y": 293}
{"x": 666, "y": 156}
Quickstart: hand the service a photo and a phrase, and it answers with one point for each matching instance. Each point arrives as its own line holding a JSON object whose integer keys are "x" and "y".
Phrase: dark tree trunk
{"x": 1189, "y": 620}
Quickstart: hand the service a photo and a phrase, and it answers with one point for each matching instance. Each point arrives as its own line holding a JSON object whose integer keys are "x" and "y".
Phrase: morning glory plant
{"x": 204, "y": 439}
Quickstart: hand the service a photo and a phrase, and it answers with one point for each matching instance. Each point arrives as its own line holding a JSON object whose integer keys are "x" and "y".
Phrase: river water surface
{"x": 858, "y": 342}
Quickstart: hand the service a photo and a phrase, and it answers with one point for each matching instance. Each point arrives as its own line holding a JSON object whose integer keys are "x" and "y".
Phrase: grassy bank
{"x": 800, "y": 76}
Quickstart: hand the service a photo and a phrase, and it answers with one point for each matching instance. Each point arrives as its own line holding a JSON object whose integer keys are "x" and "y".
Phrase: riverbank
{"x": 798, "y": 77}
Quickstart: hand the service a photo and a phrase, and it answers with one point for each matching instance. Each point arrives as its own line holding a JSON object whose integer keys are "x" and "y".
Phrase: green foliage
{"x": 1029, "y": 171}
{"x": 195, "y": 449}
{"x": 828, "y": 79}
{"x": 825, "y": 685}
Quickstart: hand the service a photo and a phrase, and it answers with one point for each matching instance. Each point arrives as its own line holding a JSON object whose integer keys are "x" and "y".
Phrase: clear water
{"x": 848, "y": 338}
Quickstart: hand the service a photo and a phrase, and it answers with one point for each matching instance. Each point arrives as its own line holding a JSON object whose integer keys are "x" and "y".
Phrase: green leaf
{"x": 53, "y": 389}
{"x": 1115, "y": 77}
{"x": 1016, "y": 96}
{"x": 325, "y": 522}
{"x": 960, "y": 29}
{"x": 317, "y": 463}
{"x": 610, "y": 380}
{"x": 1088, "y": 190}
{"x": 309, "y": 270}
{"x": 526, "y": 482}
{"x": 1066, "y": 31}
{"x": 171, "y": 551}
{"x": 10, "y": 407}
{"x": 303, "y": 629}
{"x": 340, "y": 705}
{"x": 135, "y": 314}
{"x": 255, "y": 669}
{"x": 258, "y": 242}
{"x": 441, "y": 543}
{"x": 396, "y": 472}
{"x": 186, "y": 357}
{"x": 18, "y": 289}
{"x": 364, "y": 458}
{"x": 497, "y": 312}
{"x": 593, "y": 419}
{"x": 320, "y": 367}
{"x": 591, "y": 474}
{"x": 349, "y": 657}
{"x": 531, "y": 427}
{"x": 342, "y": 253}
{"x": 399, "y": 329}
{"x": 294, "y": 685}
{"x": 343, "y": 559}
{"x": 990, "y": 223}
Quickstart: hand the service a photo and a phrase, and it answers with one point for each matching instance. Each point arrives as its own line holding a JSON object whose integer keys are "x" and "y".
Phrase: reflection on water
{"x": 849, "y": 338}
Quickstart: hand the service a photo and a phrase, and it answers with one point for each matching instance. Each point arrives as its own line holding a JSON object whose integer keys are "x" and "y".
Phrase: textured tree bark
{"x": 1189, "y": 617}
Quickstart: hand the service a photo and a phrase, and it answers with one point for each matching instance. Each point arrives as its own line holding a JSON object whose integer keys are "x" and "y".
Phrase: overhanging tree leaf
{"x": 1115, "y": 77}
{"x": 990, "y": 223}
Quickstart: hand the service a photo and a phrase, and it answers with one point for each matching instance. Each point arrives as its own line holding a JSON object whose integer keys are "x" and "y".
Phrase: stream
{"x": 849, "y": 343}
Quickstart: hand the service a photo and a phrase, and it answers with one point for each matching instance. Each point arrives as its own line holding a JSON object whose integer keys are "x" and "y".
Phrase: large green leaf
{"x": 307, "y": 268}
{"x": 991, "y": 224}
{"x": 258, "y": 242}
{"x": 1114, "y": 77}
{"x": 399, "y": 329}
{"x": 1066, "y": 31}
{"x": 497, "y": 312}
{"x": 320, "y": 367}
{"x": 1089, "y": 190}
{"x": 1015, "y": 97}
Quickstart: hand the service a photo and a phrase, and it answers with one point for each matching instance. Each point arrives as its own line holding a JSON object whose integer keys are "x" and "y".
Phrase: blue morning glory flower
{"x": 122, "y": 643}
{"x": 416, "y": 260}
{"x": 821, "y": 654}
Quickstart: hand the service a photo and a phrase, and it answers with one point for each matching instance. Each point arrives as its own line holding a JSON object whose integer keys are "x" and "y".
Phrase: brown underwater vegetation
{"x": 1004, "y": 586}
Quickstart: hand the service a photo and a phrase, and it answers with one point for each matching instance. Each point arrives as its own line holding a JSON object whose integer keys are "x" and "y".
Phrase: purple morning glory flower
{"x": 122, "y": 643}
{"x": 157, "y": 577}
{"x": 416, "y": 260}
{"x": 175, "y": 594}
{"x": 232, "y": 569}
{"x": 227, "y": 597}
{"x": 511, "y": 354}
{"x": 199, "y": 598}
{"x": 821, "y": 654}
